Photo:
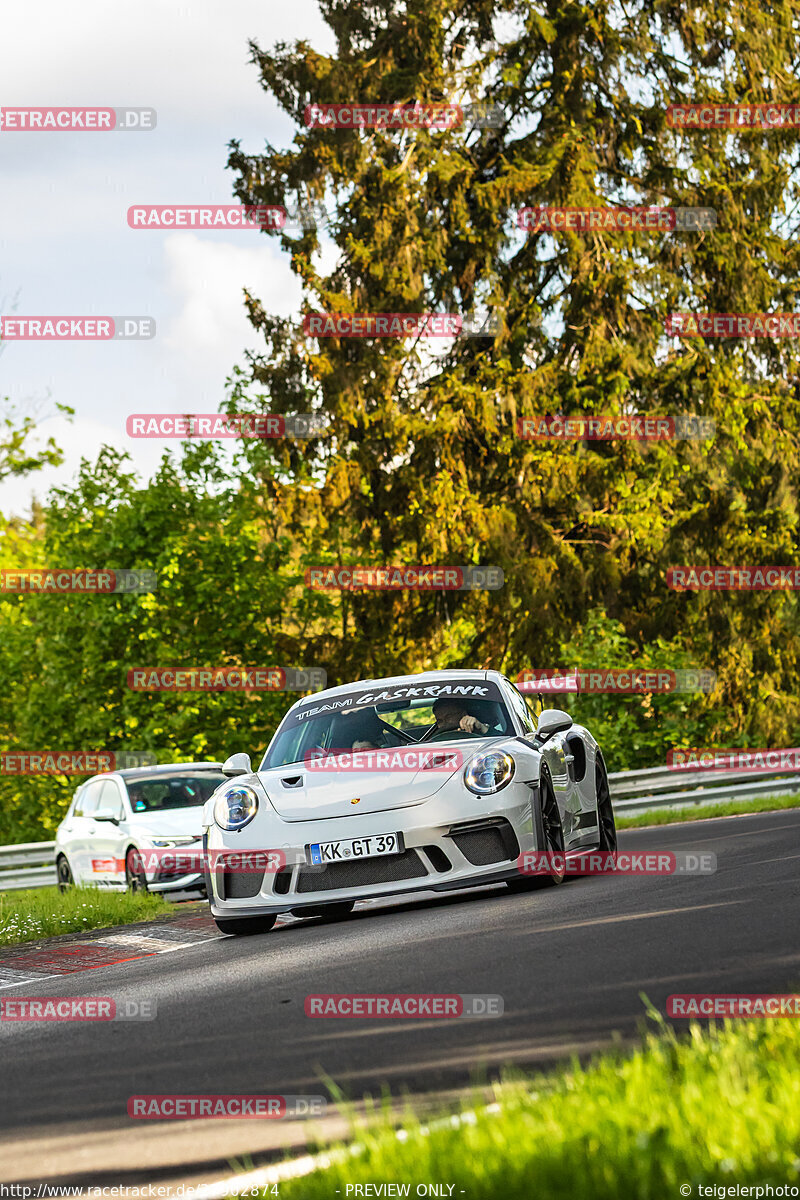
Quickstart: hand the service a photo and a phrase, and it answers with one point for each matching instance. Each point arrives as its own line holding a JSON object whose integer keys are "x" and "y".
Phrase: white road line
{"x": 296, "y": 1168}
{"x": 27, "y": 979}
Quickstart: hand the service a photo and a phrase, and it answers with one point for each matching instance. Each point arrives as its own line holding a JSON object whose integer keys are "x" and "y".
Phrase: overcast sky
{"x": 65, "y": 246}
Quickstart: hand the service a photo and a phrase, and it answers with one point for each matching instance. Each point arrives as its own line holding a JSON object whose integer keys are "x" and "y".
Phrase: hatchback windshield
{"x": 163, "y": 793}
{"x": 382, "y": 719}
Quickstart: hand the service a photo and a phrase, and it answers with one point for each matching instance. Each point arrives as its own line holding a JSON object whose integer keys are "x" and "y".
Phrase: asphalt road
{"x": 569, "y": 962}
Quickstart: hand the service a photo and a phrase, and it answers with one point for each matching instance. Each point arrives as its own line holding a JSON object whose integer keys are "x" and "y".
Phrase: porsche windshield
{"x": 384, "y": 718}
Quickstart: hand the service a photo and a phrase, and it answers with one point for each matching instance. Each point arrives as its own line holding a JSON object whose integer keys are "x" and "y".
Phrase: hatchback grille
{"x": 361, "y": 874}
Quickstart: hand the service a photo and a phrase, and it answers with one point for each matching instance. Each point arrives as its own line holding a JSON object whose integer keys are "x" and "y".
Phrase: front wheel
{"x": 64, "y": 874}
{"x": 135, "y": 874}
{"x": 549, "y": 840}
{"x": 605, "y": 811}
{"x": 243, "y": 926}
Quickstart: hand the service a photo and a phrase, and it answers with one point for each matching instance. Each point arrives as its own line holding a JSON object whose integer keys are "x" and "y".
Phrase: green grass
{"x": 44, "y": 912}
{"x": 731, "y": 809}
{"x": 721, "y": 1106}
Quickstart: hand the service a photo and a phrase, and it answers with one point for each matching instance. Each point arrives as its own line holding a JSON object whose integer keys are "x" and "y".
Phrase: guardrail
{"x": 636, "y": 792}
{"x": 27, "y": 866}
{"x": 633, "y": 792}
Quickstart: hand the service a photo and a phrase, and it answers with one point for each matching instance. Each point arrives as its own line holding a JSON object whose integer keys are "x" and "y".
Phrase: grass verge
{"x": 27, "y": 916}
{"x": 719, "y": 1106}
{"x": 732, "y": 808}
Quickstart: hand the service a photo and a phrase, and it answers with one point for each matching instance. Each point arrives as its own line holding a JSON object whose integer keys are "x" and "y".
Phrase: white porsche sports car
{"x": 416, "y": 783}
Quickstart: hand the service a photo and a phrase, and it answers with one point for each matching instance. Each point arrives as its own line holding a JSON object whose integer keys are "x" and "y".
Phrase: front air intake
{"x": 362, "y": 873}
{"x": 485, "y": 842}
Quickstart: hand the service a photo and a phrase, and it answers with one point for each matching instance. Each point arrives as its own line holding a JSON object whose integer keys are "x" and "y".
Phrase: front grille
{"x": 362, "y": 873}
{"x": 242, "y": 885}
{"x": 487, "y": 844}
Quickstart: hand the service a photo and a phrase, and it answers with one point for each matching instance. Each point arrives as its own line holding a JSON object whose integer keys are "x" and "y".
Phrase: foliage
{"x": 719, "y": 1107}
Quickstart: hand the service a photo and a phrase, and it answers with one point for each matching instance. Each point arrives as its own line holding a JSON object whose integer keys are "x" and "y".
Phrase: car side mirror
{"x": 107, "y": 816}
{"x": 552, "y": 720}
{"x": 237, "y": 764}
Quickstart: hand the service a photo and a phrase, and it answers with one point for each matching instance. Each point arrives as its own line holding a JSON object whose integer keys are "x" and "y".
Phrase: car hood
{"x": 177, "y": 822}
{"x": 298, "y": 793}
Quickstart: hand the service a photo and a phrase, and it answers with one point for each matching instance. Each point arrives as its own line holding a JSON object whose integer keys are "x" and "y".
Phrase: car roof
{"x": 167, "y": 768}
{"x": 421, "y": 677}
{"x": 140, "y": 774}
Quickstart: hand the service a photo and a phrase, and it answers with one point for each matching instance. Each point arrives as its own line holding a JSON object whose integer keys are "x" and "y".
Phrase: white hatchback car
{"x": 120, "y": 824}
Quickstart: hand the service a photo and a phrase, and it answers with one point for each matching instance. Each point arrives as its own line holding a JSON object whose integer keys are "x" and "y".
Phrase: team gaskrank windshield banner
{"x": 403, "y": 695}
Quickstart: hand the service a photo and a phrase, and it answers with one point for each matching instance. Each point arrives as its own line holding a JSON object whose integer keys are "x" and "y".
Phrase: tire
{"x": 549, "y": 837}
{"x": 244, "y": 926}
{"x": 328, "y": 912}
{"x": 135, "y": 875}
{"x": 65, "y": 879}
{"x": 605, "y": 810}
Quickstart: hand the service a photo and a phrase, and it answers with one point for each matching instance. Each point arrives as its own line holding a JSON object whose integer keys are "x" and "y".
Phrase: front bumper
{"x": 475, "y": 846}
{"x": 181, "y": 883}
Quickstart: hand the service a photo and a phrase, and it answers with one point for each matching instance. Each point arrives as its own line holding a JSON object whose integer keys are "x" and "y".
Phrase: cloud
{"x": 64, "y": 240}
{"x": 205, "y": 279}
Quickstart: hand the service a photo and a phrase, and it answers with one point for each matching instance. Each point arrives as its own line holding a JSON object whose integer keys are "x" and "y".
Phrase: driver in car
{"x": 450, "y": 717}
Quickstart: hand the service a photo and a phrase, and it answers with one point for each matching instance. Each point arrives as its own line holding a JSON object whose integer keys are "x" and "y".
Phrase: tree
{"x": 219, "y": 601}
{"x": 424, "y": 464}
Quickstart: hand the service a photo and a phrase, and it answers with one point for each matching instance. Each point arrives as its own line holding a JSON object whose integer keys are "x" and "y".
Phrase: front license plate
{"x": 363, "y": 847}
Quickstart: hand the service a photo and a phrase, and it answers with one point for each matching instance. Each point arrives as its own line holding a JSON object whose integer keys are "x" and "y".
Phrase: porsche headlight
{"x": 489, "y": 772}
{"x": 236, "y": 807}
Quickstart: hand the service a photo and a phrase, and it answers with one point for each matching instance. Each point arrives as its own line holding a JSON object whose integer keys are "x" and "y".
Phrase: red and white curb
{"x": 50, "y": 962}
{"x": 118, "y": 946}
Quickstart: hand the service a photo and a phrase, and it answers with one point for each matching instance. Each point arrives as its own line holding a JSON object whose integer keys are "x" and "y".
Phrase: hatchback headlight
{"x": 175, "y": 841}
{"x": 489, "y": 772}
{"x": 236, "y": 807}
